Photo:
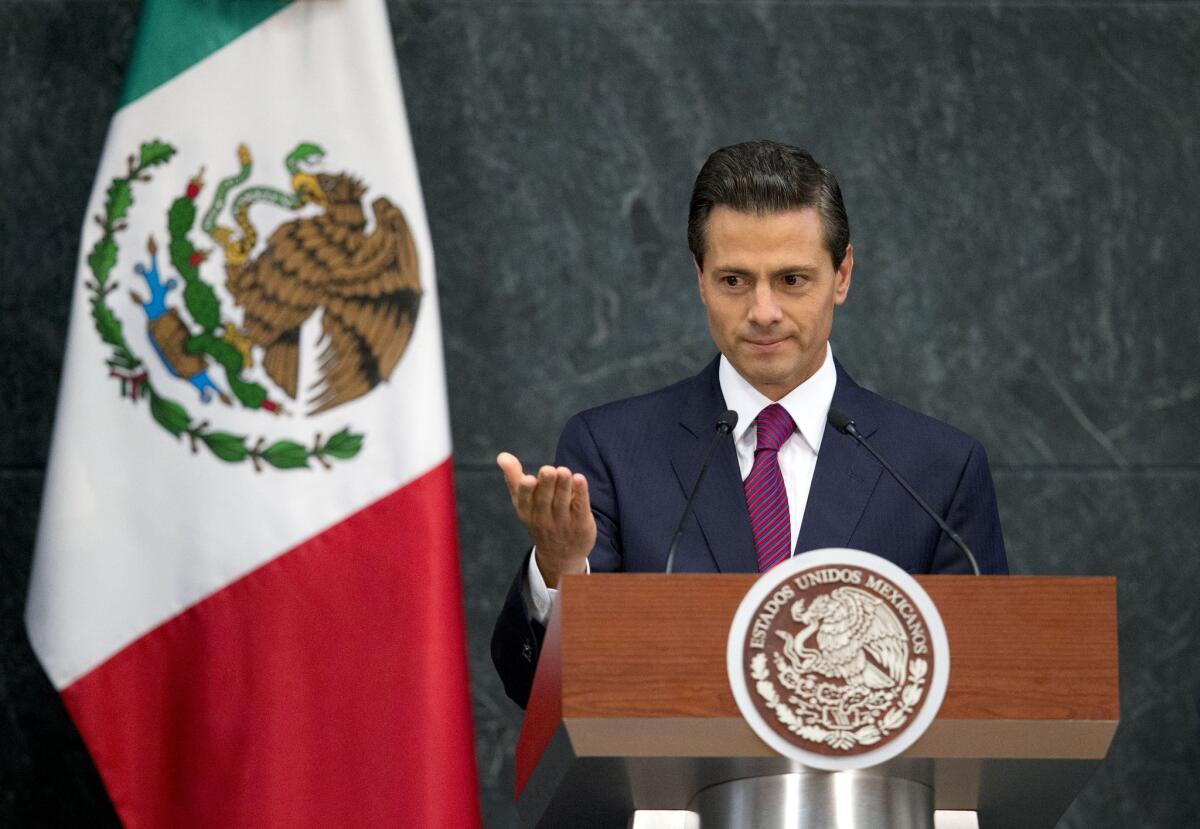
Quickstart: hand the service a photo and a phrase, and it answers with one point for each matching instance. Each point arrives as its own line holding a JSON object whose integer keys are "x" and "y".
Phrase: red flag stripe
{"x": 326, "y": 688}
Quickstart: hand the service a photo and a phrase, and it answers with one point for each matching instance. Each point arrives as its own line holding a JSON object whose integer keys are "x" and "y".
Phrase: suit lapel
{"x": 845, "y": 474}
{"x": 720, "y": 506}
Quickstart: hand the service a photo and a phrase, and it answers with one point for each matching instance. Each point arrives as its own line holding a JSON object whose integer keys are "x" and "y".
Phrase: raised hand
{"x": 554, "y": 507}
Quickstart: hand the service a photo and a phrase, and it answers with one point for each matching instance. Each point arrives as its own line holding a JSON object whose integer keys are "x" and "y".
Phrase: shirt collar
{"x": 808, "y": 403}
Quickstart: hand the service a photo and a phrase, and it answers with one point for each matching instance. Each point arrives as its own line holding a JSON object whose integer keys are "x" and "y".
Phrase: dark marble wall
{"x": 1021, "y": 179}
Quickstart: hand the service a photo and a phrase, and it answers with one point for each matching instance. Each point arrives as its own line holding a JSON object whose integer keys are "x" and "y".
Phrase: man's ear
{"x": 842, "y": 277}
{"x": 699, "y": 279}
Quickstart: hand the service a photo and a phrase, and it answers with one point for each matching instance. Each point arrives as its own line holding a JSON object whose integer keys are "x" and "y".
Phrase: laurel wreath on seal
{"x": 804, "y": 723}
{"x": 128, "y": 368}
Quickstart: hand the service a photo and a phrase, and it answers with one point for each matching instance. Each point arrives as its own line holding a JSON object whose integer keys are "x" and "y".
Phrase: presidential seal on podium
{"x": 838, "y": 659}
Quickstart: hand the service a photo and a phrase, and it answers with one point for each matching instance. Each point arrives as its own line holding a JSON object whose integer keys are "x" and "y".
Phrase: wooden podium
{"x": 631, "y": 707}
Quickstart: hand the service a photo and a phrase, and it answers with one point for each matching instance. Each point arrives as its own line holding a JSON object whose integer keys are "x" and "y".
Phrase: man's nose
{"x": 764, "y": 309}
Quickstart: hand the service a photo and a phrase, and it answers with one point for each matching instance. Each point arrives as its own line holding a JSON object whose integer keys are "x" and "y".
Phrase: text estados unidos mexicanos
{"x": 830, "y": 575}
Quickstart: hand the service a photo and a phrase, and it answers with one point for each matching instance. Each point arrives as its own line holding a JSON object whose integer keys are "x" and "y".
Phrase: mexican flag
{"x": 246, "y": 583}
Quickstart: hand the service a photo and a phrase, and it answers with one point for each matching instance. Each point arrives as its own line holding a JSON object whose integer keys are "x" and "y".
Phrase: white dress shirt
{"x": 808, "y": 404}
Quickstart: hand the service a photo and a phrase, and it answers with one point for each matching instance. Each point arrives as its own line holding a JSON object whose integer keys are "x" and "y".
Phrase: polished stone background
{"x": 1022, "y": 181}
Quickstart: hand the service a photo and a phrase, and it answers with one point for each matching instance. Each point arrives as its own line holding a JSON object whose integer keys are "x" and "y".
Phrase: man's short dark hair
{"x": 766, "y": 177}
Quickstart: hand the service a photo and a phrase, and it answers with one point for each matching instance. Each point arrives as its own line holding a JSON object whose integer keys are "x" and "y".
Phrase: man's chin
{"x": 763, "y": 378}
{"x": 776, "y": 364}
{"x": 772, "y": 374}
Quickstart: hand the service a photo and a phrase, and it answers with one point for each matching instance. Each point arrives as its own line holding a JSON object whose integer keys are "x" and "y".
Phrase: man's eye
{"x": 732, "y": 281}
{"x": 793, "y": 279}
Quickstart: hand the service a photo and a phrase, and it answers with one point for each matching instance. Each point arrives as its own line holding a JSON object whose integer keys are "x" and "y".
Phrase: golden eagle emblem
{"x": 859, "y": 639}
{"x": 365, "y": 285}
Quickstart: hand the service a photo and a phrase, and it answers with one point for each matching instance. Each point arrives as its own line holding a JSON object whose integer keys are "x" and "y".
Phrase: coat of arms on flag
{"x": 364, "y": 286}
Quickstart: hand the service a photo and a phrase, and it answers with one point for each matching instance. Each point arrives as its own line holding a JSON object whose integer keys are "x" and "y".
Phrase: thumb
{"x": 510, "y": 465}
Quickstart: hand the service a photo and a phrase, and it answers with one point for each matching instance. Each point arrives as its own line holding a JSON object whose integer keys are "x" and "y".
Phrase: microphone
{"x": 725, "y": 424}
{"x": 842, "y": 422}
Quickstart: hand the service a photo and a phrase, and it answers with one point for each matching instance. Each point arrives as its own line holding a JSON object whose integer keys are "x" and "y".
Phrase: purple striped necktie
{"x": 766, "y": 497}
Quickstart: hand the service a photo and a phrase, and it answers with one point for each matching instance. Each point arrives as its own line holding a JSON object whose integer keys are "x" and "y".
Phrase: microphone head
{"x": 727, "y": 421}
{"x": 840, "y": 421}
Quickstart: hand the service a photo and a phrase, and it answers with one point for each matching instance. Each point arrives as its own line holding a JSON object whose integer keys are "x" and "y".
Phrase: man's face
{"x": 770, "y": 287}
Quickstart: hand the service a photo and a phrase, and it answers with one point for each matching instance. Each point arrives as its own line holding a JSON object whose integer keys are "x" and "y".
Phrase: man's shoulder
{"x": 896, "y": 423}
{"x": 663, "y": 406}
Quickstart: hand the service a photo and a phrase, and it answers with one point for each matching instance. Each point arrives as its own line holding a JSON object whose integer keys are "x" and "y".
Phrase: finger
{"x": 510, "y": 465}
{"x": 520, "y": 486}
{"x": 543, "y": 494}
{"x": 526, "y": 486}
{"x": 560, "y": 507}
{"x": 580, "y": 501}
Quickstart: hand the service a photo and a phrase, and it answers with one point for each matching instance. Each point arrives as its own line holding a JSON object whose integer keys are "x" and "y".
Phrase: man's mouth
{"x": 766, "y": 344}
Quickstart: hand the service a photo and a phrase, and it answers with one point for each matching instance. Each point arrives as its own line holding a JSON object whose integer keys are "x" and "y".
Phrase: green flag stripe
{"x": 175, "y": 34}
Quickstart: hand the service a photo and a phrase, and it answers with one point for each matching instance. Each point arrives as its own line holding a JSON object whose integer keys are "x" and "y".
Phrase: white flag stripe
{"x": 100, "y": 582}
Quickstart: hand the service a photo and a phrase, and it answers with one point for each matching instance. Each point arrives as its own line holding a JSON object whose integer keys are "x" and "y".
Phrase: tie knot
{"x": 774, "y": 425}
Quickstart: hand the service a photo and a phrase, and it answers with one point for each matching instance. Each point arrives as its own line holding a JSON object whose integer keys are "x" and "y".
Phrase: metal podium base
{"x": 816, "y": 800}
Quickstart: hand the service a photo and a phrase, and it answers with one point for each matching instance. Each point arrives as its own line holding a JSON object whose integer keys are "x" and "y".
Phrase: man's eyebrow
{"x": 735, "y": 270}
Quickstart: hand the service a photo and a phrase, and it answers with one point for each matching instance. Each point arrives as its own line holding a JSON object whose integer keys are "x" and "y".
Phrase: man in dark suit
{"x": 771, "y": 243}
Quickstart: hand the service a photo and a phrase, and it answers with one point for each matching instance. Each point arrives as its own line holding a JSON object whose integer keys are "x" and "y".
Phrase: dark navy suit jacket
{"x": 641, "y": 457}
